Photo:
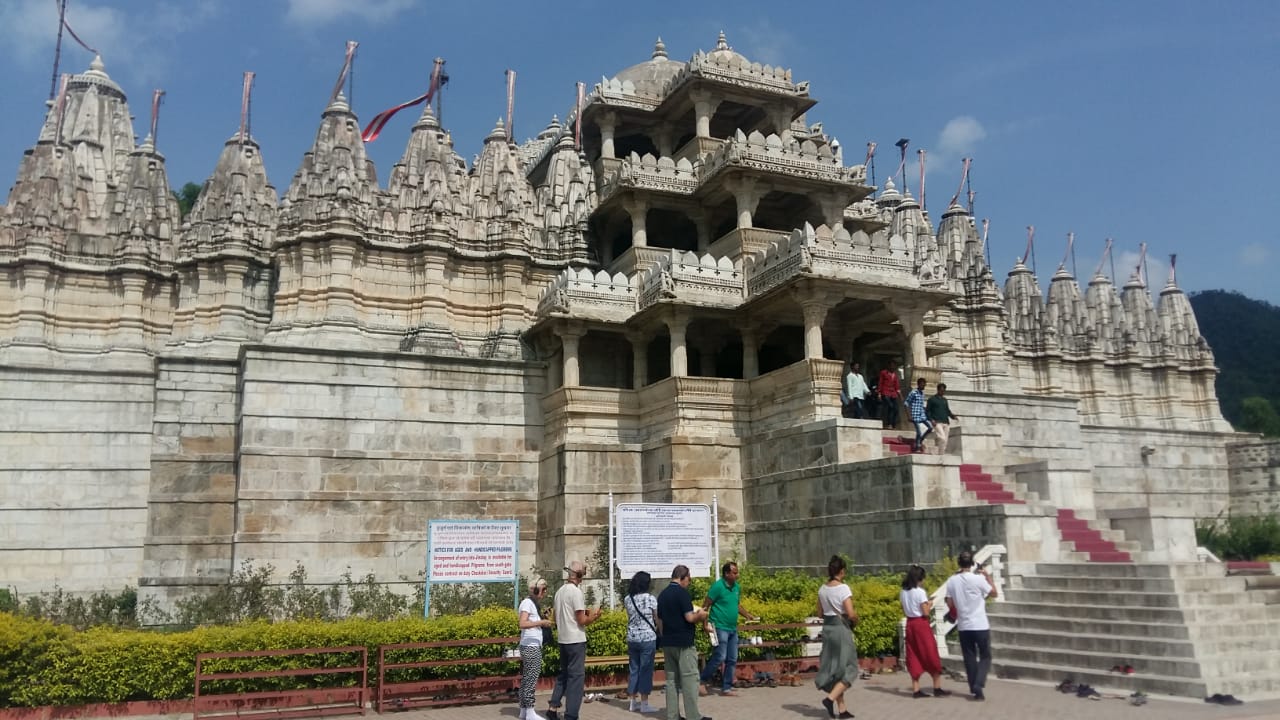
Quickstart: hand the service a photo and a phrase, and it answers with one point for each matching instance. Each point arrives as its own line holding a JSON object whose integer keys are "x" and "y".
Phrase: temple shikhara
{"x": 654, "y": 298}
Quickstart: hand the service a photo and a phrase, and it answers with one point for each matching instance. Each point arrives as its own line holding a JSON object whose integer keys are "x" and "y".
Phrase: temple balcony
{"x": 582, "y": 294}
{"x": 647, "y": 173}
{"x": 834, "y": 256}
{"x": 636, "y": 259}
{"x": 804, "y": 161}
{"x": 698, "y": 147}
{"x": 692, "y": 279}
{"x": 804, "y": 391}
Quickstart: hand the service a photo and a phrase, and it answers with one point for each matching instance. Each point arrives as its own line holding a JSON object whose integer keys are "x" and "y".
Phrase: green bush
{"x": 1240, "y": 538}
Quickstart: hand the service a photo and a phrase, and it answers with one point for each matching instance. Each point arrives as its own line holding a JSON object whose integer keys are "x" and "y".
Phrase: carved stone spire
{"x": 1105, "y": 314}
{"x": 144, "y": 216}
{"x": 1181, "y": 330}
{"x": 427, "y": 186}
{"x": 237, "y": 207}
{"x": 1142, "y": 328}
{"x": 1065, "y": 312}
{"x": 1024, "y": 307}
{"x": 336, "y": 181}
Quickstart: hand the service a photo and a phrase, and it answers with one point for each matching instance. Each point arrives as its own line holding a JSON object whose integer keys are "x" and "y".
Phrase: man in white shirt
{"x": 967, "y": 593}
{"x": 854, "y": 392}
{"x": 572, "y": 616}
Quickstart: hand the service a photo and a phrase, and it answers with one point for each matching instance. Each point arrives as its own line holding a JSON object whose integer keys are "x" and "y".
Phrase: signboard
{"x": 472, "y": 550}
{"x": 655, "y": 537}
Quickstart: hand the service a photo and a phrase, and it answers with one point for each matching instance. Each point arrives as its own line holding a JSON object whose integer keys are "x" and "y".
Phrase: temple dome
{"x": 651, "y": 77}
{"x": 723, "y": 54}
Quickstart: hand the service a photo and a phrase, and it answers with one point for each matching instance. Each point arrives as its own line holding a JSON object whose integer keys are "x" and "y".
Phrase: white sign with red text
{"x": 472, "y": 550}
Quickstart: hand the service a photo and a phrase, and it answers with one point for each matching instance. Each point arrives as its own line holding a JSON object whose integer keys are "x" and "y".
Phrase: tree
{"x": 186, "y": 197}
{"x": 1258, "y": 415}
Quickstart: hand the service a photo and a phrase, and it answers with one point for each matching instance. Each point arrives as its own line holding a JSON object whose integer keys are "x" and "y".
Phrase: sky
{"x": 1145, "y": 122}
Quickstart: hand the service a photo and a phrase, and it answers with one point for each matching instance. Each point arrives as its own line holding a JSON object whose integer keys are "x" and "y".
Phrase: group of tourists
{"x": 671, "y": 621}
{"x": 931, "y": 416}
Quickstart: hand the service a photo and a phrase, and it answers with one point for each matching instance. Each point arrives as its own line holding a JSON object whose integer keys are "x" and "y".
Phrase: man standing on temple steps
{"x": 938, "y": 410}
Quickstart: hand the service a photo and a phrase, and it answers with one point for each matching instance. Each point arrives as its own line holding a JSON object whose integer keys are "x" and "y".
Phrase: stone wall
{"x": 74, "y": 481}
{"x": 191, "y": 501}
{"x": 344, "y": 458}
{"x": 1165, "y": 470}
{"x": 1254, "y": 477}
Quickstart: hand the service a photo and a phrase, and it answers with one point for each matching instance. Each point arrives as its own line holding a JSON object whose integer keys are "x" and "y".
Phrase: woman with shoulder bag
{"x": 642, "y": 641}
{"x": 532, "y": 631}
{"x": 838, "y": 664}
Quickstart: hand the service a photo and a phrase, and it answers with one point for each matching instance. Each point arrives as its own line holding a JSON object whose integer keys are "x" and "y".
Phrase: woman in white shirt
{"x": 531, "y": 625}
{"x": 922, "y": 648}
{"x": 838, "y": 664}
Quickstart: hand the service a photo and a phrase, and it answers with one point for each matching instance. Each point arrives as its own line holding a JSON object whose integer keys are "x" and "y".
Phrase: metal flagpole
{"x": 613, "y": 558}
{"x": 922, "y": 154}
{"x": 511, "y": 104}
{"x": 57, "y": 47}
{"x": 715, "y": 533}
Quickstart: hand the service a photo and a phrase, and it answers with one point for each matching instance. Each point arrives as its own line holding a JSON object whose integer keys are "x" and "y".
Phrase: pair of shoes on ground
{"x": 937, "y": 692}
{"x": 530, "y": 714}
{"x": 1084, "y": 691}
{"x": 1123, "y": 669}
{"x": 977, "y": 696}
{"x": 641, "y": 707}
{"x": 1220, "y": 699}
{"x": 831, "y": 710}
{"x": 1067, "y": 686}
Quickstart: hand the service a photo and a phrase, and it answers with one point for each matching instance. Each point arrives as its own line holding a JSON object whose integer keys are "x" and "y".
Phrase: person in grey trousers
{"x": 572, "y": 618}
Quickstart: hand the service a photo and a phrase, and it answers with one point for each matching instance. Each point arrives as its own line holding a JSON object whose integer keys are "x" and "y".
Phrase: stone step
{"x": 1095, "y": 597}
{"x": 1205, "y": 584}
{"x": 1077, "y": 661}
{"x": 1102, "y": 680}
{"x": 1071, "y": 569}
{"x": 1116, "y": 557}
{"x": 1058, "y": 582}
{"x": 1120, "y": 647}
{"x": 1257, "y": 645}
{"x": 1262, "y": 582}
{"x": 1065, "y": 625}
{"x": 1014, "y": 606}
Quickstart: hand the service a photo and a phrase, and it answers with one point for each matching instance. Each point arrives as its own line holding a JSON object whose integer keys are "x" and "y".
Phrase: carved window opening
{"x": 639, "y": 144}
{"x": 782, "y": 347}
{"x": 659, "y": 359}
{"x": 786, "y": 211}
{"x": 730, "y": 116}
{"x": 671, "y": 229}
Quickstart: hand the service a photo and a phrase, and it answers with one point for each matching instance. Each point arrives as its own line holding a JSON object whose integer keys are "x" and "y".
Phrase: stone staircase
{"x": 1092, "y": 543}
{"x": 1187, "y": 629}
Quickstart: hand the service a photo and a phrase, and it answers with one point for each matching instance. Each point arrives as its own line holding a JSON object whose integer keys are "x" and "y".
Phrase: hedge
{"x": 46, "y": 664}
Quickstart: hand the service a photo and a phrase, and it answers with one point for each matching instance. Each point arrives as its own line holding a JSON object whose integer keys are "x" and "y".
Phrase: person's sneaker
{"x": 553, "y": 714}
{"x": 919, "y": 694}
{"x": 729, "y": 693}
{"x": 533, "y": 715}
{"x": 939, "y": 692}
{"x": 702, "y": 691}
{"x": 978, "y": 696}
{"x": 647, "y": 708}
{"x": 633, "y": 705}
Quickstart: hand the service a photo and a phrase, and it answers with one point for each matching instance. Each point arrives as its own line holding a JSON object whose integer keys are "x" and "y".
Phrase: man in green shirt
{"x": 722, "y": 600}
{"x": 938, "y": 411}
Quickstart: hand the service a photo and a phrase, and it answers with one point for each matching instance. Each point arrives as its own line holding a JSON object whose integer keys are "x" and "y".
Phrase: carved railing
{"x": 771, "y": 153}
{"x": 822, "y": 253}
{"x": 697, "y": 148}
{"x": 648, "y": 172}
{"x": 582, "y": 293}
{"x": 990, "y": 557}
{"x": 591, "y": 399}
{"x": 690, "y": 277}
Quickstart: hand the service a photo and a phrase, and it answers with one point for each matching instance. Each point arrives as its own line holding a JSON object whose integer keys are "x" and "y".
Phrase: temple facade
{"x": 657, "y": 308}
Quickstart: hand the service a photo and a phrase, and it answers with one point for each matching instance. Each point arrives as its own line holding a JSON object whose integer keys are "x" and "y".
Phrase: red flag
{"x": 379, "y": 121}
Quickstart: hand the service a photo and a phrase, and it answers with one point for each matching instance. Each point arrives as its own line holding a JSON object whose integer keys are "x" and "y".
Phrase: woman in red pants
{"x": 922, "y": 648}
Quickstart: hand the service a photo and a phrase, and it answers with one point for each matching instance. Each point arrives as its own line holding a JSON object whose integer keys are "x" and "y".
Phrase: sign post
{"x": 655, "y": 537}
{"x": 472, "y": 551}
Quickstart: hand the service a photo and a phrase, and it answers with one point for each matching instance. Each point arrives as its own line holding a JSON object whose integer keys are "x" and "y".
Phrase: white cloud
{"x": 762, "y": 42}
{"x": 1157, "y": 271}
{"x": 29, "y": 29}
{"x": 320, "y": 12}
{"x": 961, "y": 136}
{"x": 1254, "y": 254}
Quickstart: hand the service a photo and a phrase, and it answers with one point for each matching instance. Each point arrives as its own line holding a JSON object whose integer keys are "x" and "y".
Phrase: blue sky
{"x": 1141, "y": 121}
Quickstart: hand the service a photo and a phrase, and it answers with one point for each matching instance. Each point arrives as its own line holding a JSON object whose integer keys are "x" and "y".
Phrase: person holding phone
{"x": 967, "y": 593}
{"x": 572, "y": 618}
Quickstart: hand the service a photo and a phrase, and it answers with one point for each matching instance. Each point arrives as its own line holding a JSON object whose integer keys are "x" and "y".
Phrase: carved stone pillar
{"x": 911, "y": 318}
{"x": 747, "y": 193}
{"x": 569, "y": 338}
{"x": 638, "y": 209}
{"x": 702, "y": 221}
{"x": 639, "y": 359}
{"x": 31, "y": 316}
{"x": 677, "y": 326}
{"x": 750, "y": 351}
{"x": 608, "y": 124}
{"x": 815, "y": 313}
{"x": 704, "y": 108}
{"x": 663, "y": 138}
{"x": 780, "y": 117}
{"x": 832, "y": 206}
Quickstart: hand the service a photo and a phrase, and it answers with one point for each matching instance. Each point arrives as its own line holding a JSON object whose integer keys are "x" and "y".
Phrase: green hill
{"x": 1245, "y": 336}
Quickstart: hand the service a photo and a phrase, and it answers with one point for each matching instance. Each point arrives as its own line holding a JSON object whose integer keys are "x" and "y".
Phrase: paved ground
{"x": 888, "y": 696}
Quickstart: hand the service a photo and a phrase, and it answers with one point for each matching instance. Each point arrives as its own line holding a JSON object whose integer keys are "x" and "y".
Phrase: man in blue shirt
{"x": 677, "y": 621}
{"x": 915, "y": 405}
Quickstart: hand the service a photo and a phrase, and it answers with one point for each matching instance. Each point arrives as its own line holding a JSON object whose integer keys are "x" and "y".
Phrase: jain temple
{"x": 659, "y": 307}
